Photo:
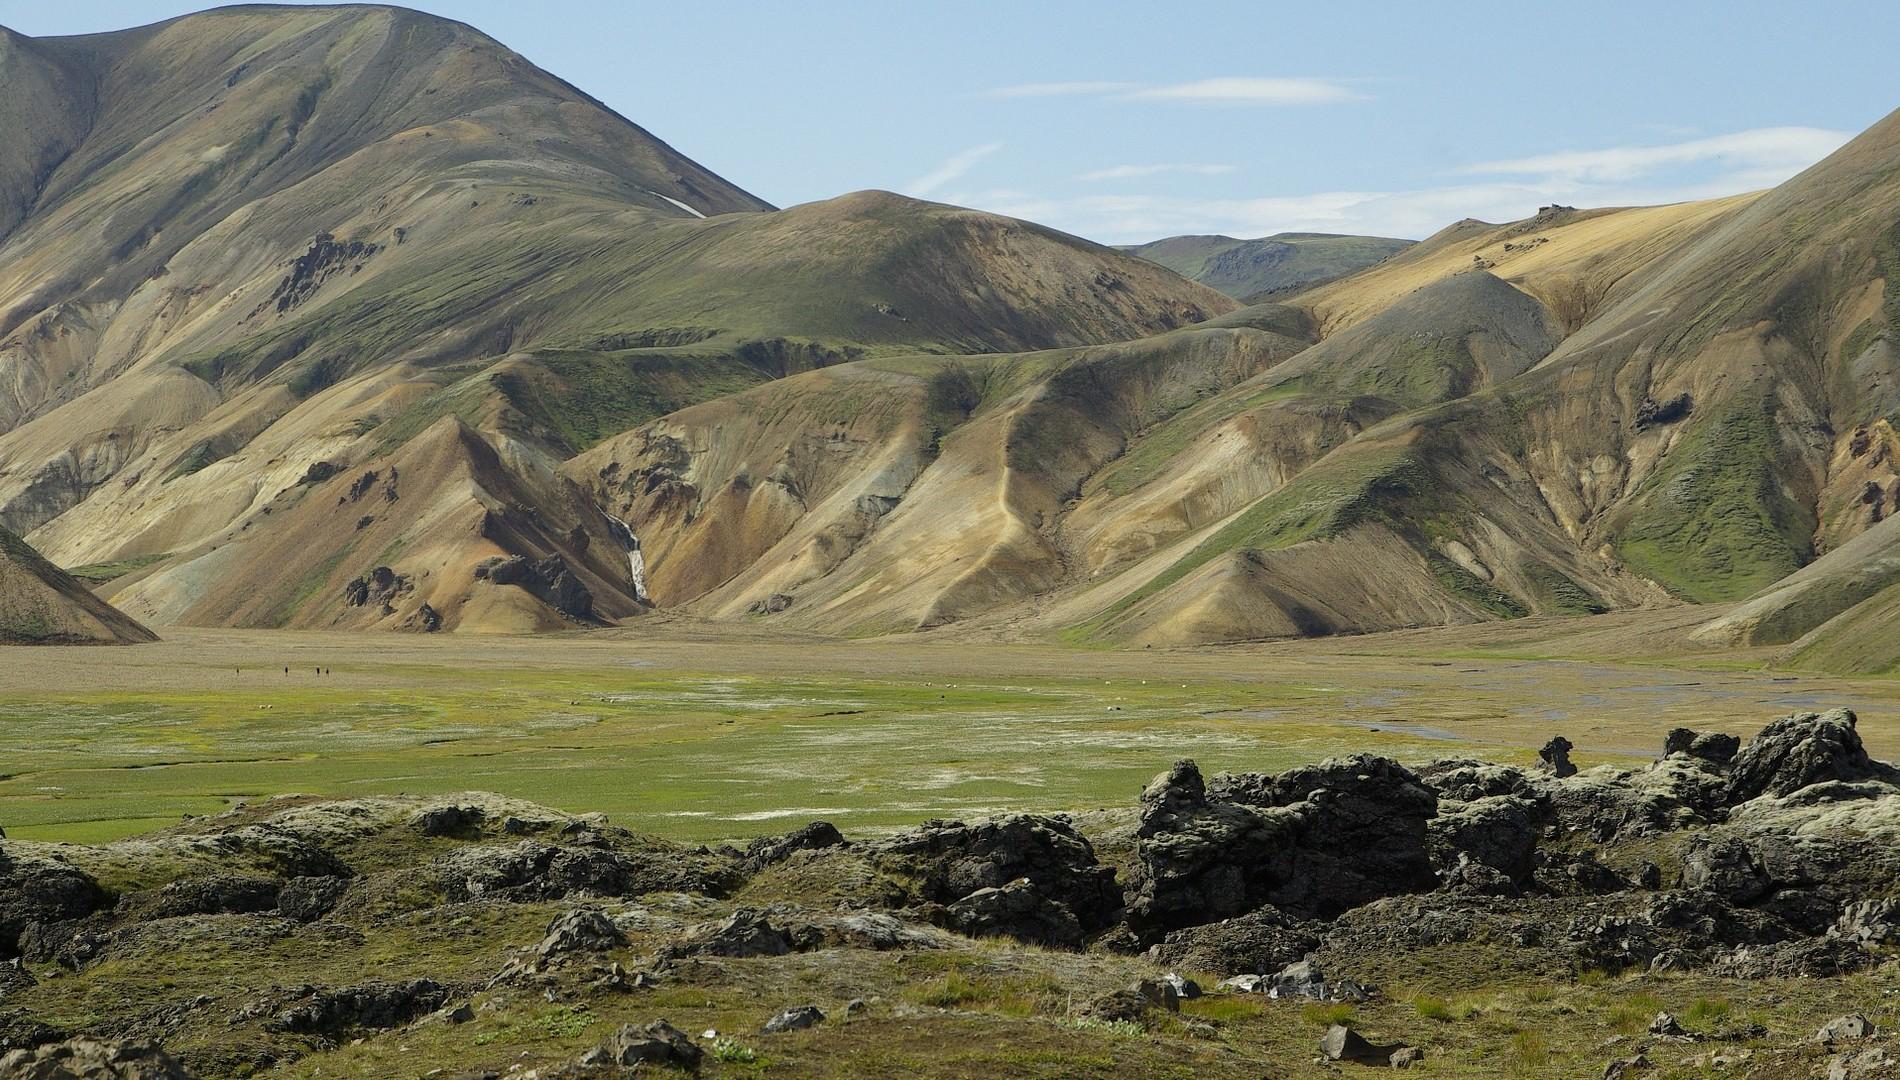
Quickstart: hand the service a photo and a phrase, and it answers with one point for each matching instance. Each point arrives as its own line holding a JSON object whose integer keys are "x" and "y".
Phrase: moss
{"x": 98, "y": 573}
{"x": 578, "y": 398}
{"x": 1322, "y": 502}
{"x": 196, "y": 460}
{"x": 1561, "y": 594}
{"x": 1474, "y": 590}
{"x": 1712, "y": 523}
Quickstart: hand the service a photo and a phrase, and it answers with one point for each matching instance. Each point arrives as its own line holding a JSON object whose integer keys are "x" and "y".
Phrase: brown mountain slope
{"x": 286, "y": 242}
{"x": 1622, "y": 406}
{"x": 40, "y": 604}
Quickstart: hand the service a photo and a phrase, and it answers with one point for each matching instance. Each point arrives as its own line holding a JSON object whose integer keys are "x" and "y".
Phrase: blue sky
{"x": 1130, "y": 121}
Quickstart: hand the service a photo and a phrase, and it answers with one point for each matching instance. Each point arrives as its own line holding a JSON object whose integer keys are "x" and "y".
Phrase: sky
{"x": 1126, "y": 122}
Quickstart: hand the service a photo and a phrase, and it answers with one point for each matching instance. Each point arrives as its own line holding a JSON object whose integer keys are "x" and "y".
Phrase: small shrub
{"x": 1528, "y": 1052}
{"x": 1126, "y": 1028}
{"x": 1329, "y": 1013}
{"x": 1432, "y": 1007}
{"x": 948, "y": 991}
{"x": 733, "y": 1052}
{"x": 1706, "y": 1013}
{"x": 1633, "y": 1014}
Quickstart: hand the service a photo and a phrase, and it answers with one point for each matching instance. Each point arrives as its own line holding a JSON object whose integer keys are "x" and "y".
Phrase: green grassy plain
{"x": 702, "y": 734}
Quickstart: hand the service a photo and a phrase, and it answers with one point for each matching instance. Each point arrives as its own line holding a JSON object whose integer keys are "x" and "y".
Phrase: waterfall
{"x": 636, "y": 562}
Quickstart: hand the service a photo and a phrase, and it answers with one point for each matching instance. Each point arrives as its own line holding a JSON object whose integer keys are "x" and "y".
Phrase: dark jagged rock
{"x": 1801, "y": 750}
{"x": 1495, "y": 831}
{"x": 38, "y": 889}
{"x": 213, "y": 894}
{"x": 307, "y": 899}
{"x": 1576, "y": 873}
{"x": 1257, "y": 943}
{"x": 949, "y": 860}
{"x": 457, "y": 821}
{"x": 630, "y": 1047}
{"x": 1801, "y": 958}
{"x": 1303, "y": 979}
{"x": 1468, "y": 780}
{"x": 768, "y": 850}
{"x": 533, "y": 870}
{"x": 549, "y": 579}
{"x": 783, "y": 929}
{"x": 1713, "y": 747}
{"x": 92, "y": 1059}
{"x": 1020, "y": 910}
{"x": 1313, "y": 842}
{"x": 579, "y": 930}
{"x": 1556, "y": 757}
{"x": 747, "y": 933}
{"x": 370, "y": 1005}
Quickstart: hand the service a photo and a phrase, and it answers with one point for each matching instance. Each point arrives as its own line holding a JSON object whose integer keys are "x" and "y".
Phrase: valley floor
{"x": 705, "y": 732}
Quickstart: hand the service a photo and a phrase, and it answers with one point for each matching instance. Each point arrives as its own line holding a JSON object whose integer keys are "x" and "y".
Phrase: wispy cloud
{"x": 1132, "y": 172}
{"x": 953, "y": 167}
{"x": 1251, "y": 91}
{"x": 1749, "y": 151}
{"x": 1502, "y": 190}
{"x": 1060, "y": 89}
{"x": 1227, "y": 90}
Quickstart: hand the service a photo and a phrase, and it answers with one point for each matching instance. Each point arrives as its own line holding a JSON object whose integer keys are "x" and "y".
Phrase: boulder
{"x": 1313, "y": 842}
{"x": 1341, "y": 1043}
{"x": 1496, "y": 831}
{"x": 456, "y": 821}
{"x": 748, "y": 932}
{"x": 1714, "y": 747}
{"x": 768, "y": 850}
{"x": 307, "y": 899}
{"x": 37, "y": 889}
{"x": 1304, "y": 980}
{"x": 531, "y": 870}
{"x": 657, "y": 1043}
{"x": 92, "y": 1059}
{"x": 1841, "y": 1029}
{"x": 794, "y": 1019}
{"x": 1257, "y": 943}
{"x": 1556, "y": 757}
{"x": 370, "y": 1005}
{"x": 212, "y": 894}
{"x": 580, "y": 930}
{"x": 1797, "y": 751}
{"x": 1864, "y": 1064}
{"x": 947, "y": 861}
{"x": 1019, "y": 910}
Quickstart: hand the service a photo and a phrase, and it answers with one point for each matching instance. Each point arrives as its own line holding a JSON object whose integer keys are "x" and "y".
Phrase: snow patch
{"x": 676, "y": 202}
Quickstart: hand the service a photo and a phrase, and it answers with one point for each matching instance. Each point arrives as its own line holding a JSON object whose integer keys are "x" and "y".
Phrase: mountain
{"x": 349, "y": 317}
{"x": 1584, "y": 410}
{"x": 1270, "y": 265}
{"x": 262, "y": 264}
{"x": 40, "y": 604}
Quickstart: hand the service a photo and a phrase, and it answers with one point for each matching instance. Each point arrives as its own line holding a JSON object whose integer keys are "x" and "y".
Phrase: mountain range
{"x": 352, "y": 318}
{"x": 1263, "y": 269}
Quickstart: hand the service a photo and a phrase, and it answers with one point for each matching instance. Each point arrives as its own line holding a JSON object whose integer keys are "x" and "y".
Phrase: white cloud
{"x": 1228, "y": 90}
{"x": 952, "y": 168}
{"x": 1130, "y": 172}
{"x": 1250, "y": 91}
{"x": 1496, "y": 191}
{"x": 1060, "y": 89}
{"x": 1767, "y": 150}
